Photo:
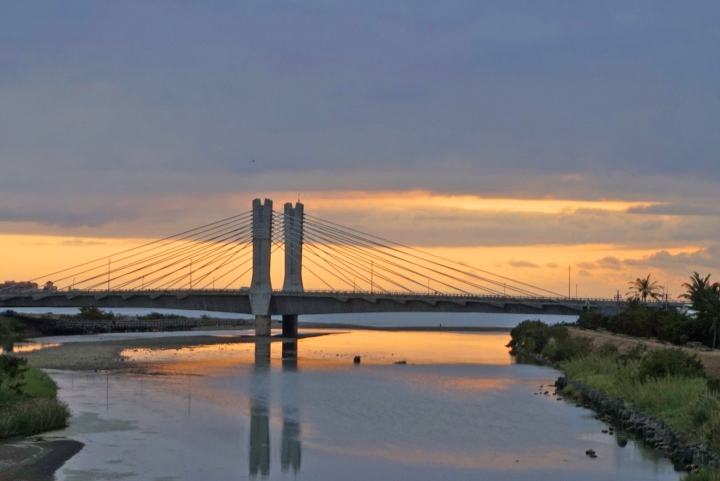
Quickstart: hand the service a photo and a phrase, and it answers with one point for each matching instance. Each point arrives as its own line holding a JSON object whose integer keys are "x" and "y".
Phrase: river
{"x": 461, "y": 408}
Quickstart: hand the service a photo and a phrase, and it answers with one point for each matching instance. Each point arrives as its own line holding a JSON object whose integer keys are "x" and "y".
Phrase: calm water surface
{"x": 459, "y": 409}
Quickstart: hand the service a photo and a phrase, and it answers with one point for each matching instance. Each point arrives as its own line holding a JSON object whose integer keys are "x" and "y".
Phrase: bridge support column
{"x": 261, "y": 288}
{"x": 290, "y": 326}
{"x": 293, "y": 226}
{"x": 262, "y": 325}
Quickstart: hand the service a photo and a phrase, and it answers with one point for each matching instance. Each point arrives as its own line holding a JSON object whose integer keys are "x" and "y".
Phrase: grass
{"x": 31, "y": 408}
{"x": 38, "y": 384}
{"x": 685, "y": 403}
{"x": 704, "y": 475}
{"x": 32, "y": 416}
{"x": 668, "y": 384}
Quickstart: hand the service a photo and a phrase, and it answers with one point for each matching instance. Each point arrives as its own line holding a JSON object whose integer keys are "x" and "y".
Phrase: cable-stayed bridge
{"x": 226, "y": 266}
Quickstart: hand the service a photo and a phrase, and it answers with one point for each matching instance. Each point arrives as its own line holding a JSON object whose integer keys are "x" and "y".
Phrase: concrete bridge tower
{"x": 293, "y": 225}
{"x": 261, "y": 288}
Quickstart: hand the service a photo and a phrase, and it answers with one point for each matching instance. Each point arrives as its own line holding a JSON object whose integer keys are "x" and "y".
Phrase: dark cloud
{"x": 702, "y": 258}
{"x": 609, "y": 263}
{"x": 677, "y": 209}
{"x": 520, "y": 263}
{"x": 141, "y": 119}
{"x": 473, "y": 96}
{"x": 586, "y": 265}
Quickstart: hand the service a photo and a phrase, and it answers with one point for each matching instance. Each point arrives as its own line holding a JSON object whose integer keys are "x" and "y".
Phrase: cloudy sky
{"x": 521, "y": 137}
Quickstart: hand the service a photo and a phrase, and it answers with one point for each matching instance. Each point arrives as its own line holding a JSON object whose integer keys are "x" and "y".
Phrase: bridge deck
{"x": 313, "y": 302}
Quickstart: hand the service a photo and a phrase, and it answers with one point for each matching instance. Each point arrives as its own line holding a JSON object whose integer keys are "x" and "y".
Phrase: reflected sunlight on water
{"x": 460, "y": 409}
{"x": 374, "y": 347}
{"x": 17, "y": 347}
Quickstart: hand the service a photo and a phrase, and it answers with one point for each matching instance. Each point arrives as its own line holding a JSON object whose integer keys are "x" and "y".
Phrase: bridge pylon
{"x": 261, "y": 288}
{"x": 293, "y": 227}
{"x": 293, "y": 222}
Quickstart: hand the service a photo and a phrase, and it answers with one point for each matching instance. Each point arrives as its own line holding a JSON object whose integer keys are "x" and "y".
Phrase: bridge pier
{"x": 262, "y": 325}
{"x": 261, "y": 288}
{"x": 290, "y": 326}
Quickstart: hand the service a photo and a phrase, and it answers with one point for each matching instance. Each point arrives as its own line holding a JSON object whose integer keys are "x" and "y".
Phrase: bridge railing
{"x": 345, "y": 293}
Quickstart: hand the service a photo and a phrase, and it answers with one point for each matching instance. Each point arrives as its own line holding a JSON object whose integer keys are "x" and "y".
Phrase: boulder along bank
{"x": 648, "y": 429}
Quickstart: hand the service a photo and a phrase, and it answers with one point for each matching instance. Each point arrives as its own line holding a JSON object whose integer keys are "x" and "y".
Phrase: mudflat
{"x": 710, "y": 359}
{"x": 35, "y": 459}
{"x": 105, "y": 355}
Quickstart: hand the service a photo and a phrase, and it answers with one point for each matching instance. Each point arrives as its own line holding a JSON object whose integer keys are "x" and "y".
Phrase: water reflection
{"x": 259, "y": 456}
{"x": 290, "y": 448}
{"x": 260, "y": 446}
{"x": 8, "y": 346}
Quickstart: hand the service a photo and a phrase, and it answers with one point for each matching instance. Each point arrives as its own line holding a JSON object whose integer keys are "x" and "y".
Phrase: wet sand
{"x": 105, "y": 355}
{"x": 711, "y": 360}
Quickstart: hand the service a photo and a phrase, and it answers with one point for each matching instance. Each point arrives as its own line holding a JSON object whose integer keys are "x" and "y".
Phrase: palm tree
{"x": 642, "y": 289}
{"x": 712, "y": 312}
{"x": 698, "y": 288}
{"x": 705, "y": 298}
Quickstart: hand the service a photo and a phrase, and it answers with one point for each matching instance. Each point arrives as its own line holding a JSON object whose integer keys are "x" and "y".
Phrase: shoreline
{"x": 649, "y": 430}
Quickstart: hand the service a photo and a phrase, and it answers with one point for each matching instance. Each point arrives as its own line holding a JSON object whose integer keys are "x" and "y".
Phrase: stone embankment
{"x": 650, "y": 430}
{"x": 62, "y": 327}
{"x": 653, "y": 432}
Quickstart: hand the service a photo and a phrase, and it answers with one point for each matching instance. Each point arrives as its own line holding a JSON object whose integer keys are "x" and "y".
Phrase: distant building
{"x": 49, "y": 287}
{"x": 22, "y": 286}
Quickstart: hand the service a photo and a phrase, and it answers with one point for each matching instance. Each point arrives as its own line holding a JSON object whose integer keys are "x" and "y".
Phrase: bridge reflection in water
{"x": 260, "y": 445}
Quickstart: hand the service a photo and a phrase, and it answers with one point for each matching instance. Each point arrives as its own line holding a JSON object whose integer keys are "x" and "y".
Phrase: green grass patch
{"x": 704, "y": 475}
{"x": 28, "y": 400}
{"x": 38, "y": 384}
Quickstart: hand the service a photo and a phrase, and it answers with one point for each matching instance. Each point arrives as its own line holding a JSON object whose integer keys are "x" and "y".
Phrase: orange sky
{"x": 25, "y": 256}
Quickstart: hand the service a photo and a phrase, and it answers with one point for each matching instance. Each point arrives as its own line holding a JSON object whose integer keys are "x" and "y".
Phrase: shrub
{"x": 592, "y": 320}
{"x": 704, "y": 408}
{"x": 11, "y": 373}
{"x": 639, "y": 320}
{"x": 608, "y": 349}
{"x": 531, "y": 335}
{"x": 670, "y": 362}
{"x": 32, "y": 416}
{"x": 572, "y": 347}
{"x": 713, "y": 430}
{"x": 635, "y": 353}
{"x": 94, "y": 313}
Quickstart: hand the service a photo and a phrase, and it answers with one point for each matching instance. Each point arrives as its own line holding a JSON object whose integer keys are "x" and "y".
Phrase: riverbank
{"x": 660, "y": 394}
{"x": 624, "y": 343}
{"x": 28, "y": 400}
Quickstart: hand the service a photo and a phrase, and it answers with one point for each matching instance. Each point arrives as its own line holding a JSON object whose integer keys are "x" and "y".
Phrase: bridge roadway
{"x": 312, "y": 302}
